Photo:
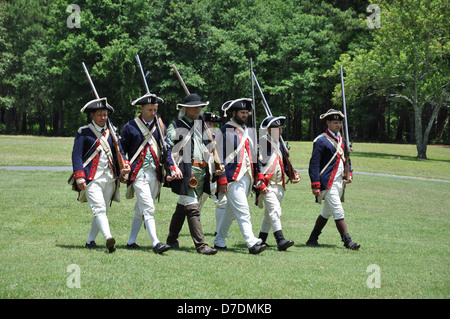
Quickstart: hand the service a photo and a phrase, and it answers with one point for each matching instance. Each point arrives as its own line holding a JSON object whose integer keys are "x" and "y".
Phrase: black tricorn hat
{"x": 192, "y": 100}
{"x": 212, "y": 117}
{"x": 97, "y": 104}
{"x": 238, "y": 104}
{"x": 148, "y": 99}
{"x": 273, "y": 121}
{"x": 332, "y": 115}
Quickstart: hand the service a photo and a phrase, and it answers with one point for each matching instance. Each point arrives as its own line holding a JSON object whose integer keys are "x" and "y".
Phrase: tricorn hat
{"x": 332, "y": 115}
{"x": 97, "y": 104}
{"x": 148, "y": 99}
{"x": 273, "y": 121}
{"x": 212, "y": 117}
{"x": 238, "y": 104}
{"x": 192, "y": 100}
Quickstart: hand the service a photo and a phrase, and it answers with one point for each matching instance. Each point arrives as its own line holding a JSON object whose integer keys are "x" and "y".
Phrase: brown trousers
{"x": 195, "y": 227}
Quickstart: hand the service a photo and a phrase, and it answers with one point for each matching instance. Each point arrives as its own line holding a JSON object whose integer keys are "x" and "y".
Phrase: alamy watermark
{"x": 374, "y": 20}
{"x": 228, "y": 148}
{"x": 73, "y": 20}
{"x": 74, "y": 279}
{"x": 374, "y": 279}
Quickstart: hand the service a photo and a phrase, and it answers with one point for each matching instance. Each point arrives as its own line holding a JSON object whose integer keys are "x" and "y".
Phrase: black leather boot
{"x": 263, "y": 237}
{"x": 282, "y": 243}
{"x": 314, "y": 237}
{"x": 348, "y": 243}
{"x": 176, "y": 223}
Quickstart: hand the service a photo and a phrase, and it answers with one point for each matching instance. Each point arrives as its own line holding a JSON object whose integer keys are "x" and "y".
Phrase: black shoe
{"x": 282, "y": 242}
{"x": 91, "y": 245}
{"x": 285, "y": 244}
{"x": 348, "y": 243}
{"x": 219, "y": 247}
{"x": 110, "y": 242}
{"x": 257, "y": 249}
{"x": 133, "y": 246}
{"x": 210, "y": 251}
{"x": 312, "y": 242}
{"x": 160, "y": 248}
{"x": 174, "y": 245}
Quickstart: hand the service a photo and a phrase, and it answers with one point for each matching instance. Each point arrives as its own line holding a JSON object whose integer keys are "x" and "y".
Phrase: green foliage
{"x": 294, "y": 46}
{"x": 407, "y": 61}
{"x": 292, "y": 43}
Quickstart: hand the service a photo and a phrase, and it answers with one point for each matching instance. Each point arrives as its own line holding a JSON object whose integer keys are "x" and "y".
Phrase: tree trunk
{"x": 24, "y": 123}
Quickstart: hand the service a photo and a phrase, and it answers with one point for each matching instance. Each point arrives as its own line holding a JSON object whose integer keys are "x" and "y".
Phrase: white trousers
{"x": 237, "y": 208}
{"x": 220, "y": 201}
{"x": 146, "y": 188}
{"x": 332, "y": 205}
{"x": 98, "y": 194}
{"x": 272, "y": 208}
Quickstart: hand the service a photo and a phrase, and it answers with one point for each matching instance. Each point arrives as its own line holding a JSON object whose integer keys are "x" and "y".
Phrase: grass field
{"x": 401, "y": 224}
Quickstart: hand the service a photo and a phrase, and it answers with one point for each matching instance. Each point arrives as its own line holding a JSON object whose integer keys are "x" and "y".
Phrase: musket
{"x": 217, "y": 162}
{"x": 110, "y": 126}
{"x": 347, "y": 146}
{"x": 253, "y": 101}
{"x": 291, "y": 170}
{"x": 163, "y": 144}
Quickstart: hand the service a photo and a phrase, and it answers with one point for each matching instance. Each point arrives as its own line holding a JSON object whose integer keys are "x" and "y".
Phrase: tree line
{"x": 396, "y": 71}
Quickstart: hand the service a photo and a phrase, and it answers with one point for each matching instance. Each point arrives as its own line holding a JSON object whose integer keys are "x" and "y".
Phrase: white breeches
{"x": 272, "y": 208}
{"x": 98, "y": 194}
{"x": 332, "y": 205}
{"x": 146, "y": 188}
{"x": 237, "y": 208}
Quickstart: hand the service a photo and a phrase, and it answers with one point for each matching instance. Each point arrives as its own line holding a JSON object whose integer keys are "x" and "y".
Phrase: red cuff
{"x": 127, "y": 162}
{"x": 260, "y": 176}
{"x": 79, "y": 174}
{"x": 260, "y": 188}
{"x": 222, "y": 181}
{"x": 315, "y": 185}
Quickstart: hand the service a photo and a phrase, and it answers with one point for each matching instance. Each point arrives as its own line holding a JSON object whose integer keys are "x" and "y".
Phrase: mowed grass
{"x": 396, "y": 159}
{"x": 401, "y": 224}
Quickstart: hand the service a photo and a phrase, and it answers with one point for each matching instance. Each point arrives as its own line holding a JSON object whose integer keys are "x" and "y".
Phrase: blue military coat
{"x": 132, "y": 138}
{"x": 323, "y": 151}
{"x": 85, "y": 144}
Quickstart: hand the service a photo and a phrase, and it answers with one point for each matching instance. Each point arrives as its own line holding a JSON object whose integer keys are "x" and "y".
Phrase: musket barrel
{"x": 180, "y": 79}
{"x": 347, "y": 138}
{"x": 268, "y": 111}
{"x": 142, "y": 73}
{"x": 266, "y": 106}
{"x": 110, "y": 126}
{"x": 90, "y": 81}
{"x": 217, "y": 161}
{"x": 159, "y": 126}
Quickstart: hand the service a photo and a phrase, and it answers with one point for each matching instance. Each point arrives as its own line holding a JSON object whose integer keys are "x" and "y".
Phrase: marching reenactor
{"x": 189, "y": 150}
{"x": 211, "y": 120}
{"x": 141, "y": 141}
{"x": 326, "y": 171}
{"x": 275, "y": 171}
{"x": 95, "y": 168}
{"x": 241, "y": 172}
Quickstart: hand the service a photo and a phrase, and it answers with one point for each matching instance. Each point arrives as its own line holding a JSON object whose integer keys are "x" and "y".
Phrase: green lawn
{"x": 401, "y": 224}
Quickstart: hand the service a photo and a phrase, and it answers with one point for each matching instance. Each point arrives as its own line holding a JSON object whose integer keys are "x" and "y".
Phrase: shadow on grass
{"x": 394, "y": 156}
{"x": 316, "y": 247}
{"x": 123, "y": 247}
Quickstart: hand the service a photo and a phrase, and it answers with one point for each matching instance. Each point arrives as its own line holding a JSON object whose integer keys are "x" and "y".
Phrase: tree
{"x": 408, "y": 60}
